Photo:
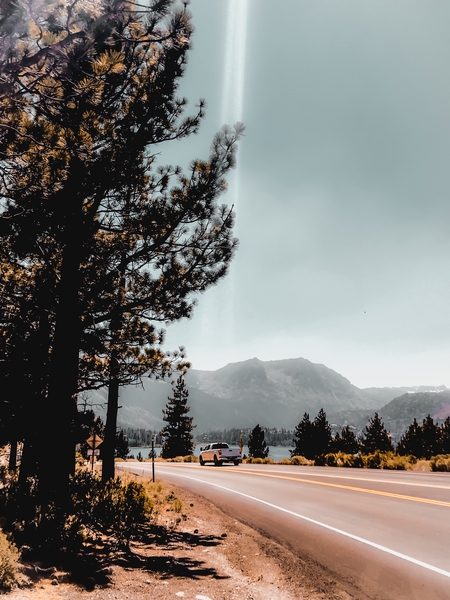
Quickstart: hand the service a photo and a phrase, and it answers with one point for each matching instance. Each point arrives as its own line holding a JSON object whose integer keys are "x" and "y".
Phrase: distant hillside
{"x": 384, "y": 395}
{"x": 400, "y": 412}
{"x": 272, "y": 393}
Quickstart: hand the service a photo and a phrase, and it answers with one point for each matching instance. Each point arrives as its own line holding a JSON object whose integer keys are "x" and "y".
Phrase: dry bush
{"x": 9, "y": 559}
{"x": 399, "y": 463}
{"x": 300, "y": 460}
{"x": 190, "y": 458}
{"x": 441, "y": 462}
{"x": 161, "y": 495}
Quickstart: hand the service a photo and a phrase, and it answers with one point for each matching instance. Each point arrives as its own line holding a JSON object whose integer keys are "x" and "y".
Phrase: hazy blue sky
{"x": 342, "y": 191}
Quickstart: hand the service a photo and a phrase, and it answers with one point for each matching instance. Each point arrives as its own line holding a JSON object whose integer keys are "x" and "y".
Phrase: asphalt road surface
{"x": 384, "y": 534}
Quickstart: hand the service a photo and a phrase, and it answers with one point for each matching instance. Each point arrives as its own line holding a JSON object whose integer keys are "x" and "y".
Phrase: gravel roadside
{"x": 207, "y": 555}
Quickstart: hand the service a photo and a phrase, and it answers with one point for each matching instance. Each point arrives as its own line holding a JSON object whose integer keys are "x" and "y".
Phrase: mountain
{"x": 400, "y": 412}
{"x": 272, "y": 393}
{"x": 384, "y": 395}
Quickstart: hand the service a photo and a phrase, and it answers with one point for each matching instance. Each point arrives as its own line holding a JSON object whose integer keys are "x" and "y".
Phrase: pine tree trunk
{"x": 108, "y": 446}
{"x": 12, "y": 464}
{"x": 56, "y": 444}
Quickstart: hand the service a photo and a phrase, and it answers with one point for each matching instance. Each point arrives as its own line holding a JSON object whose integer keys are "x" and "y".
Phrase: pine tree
{"x": 120, "y": 241}
{"x": 411, "y": 441}
{"x": 179, "y": 440}
{"x": 303, "y": 439}
{"x": 375, "y": 437}
{"x": 430, "y": 438}
{"x": 321, "y": 434}
{"x": 122, "y": 448}
{"x": 346, "y": 441}
{"x": 257, "y": 447}
{"x": 445, "y": 436}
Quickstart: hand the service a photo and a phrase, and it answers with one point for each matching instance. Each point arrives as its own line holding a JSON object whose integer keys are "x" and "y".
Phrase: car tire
{"x": 236, "y": 462}
{"x": 201, "y": 461}
{"x": 217, "y": 462}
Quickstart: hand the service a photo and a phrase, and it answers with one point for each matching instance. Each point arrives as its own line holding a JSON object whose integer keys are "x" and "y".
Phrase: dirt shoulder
{"x": 207, "y": 555}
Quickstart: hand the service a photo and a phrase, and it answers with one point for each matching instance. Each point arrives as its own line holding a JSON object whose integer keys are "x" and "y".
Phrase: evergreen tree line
{"x": 140, "y": 437}
{"x": 313, "y": 439}
{"x": 272, "y": 436}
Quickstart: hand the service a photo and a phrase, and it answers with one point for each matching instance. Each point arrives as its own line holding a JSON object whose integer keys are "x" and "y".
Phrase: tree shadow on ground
{"x": 91, "y": 565}
{"x": 140, "y": 555}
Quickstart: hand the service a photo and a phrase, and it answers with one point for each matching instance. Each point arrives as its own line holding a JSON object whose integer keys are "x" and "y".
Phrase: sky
{"x": 342, "y": 189}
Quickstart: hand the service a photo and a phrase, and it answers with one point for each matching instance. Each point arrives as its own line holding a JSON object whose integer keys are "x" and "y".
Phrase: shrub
{"x": 341, "y": 459}
{"x": 372, "y": 461}
{"x": 175, "y": 503}
{"x": 118, "y": 509}
{"x": 348, "y": 460}
{"x": 330, "y": 460}
{"x": 190, "y": 458}
{"x": 284, "y": 461}
{"x": 301, "y": 460}
{"x": 253, "y": 461}
{"x": 358, "y": 462}
{"x": 396, "y": 462}
{"x": 9, "y": 558}
{"x": 113, "y": 508}
{"x": 441, "y": 462}
{"x": 320, "y": 460}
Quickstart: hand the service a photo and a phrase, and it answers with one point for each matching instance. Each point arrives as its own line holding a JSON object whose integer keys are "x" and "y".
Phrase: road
{"x": 385, "y": 534}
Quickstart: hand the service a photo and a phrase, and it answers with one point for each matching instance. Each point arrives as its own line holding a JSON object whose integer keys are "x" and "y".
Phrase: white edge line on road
{"x": 324, "y": 525}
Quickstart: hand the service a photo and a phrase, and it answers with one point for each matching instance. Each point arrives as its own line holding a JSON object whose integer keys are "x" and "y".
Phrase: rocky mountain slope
{"x": 271, "y": 393}
{"x": 399, "y": 413}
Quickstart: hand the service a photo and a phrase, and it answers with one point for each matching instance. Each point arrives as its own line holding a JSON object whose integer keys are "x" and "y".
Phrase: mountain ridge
{"x": 272, "y": 393}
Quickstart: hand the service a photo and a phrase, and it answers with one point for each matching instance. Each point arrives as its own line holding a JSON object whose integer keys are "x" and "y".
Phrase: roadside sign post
{"x": 94, "y": 441}
{"x": 153, "y": 457}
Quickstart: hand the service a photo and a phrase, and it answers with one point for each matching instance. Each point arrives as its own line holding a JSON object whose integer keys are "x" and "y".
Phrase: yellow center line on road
{"x": 341, "y": 486}
{"x": 371, "y": 479}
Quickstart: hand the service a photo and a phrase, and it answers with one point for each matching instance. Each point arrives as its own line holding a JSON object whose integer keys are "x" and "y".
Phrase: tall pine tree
{"x": 88, "y": 93}
{"x": 375, "y": 437}
{"x": 303, "y": 439}
{"x": 445, "y": 436}
{"x": 179, "y": 440}
{"x": 257, "y": 447}
{"x": 321, "y": 434}
{"x": 411, "y": 441}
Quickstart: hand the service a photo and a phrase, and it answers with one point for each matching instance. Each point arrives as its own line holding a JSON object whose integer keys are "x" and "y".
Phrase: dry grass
{"x": 9, "y": 561}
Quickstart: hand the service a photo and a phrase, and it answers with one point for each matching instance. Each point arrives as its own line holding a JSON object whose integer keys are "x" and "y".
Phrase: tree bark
{"x": 12, "y": 464}
{"x": 108, "y": 446}
{"x": 55, "y": 449}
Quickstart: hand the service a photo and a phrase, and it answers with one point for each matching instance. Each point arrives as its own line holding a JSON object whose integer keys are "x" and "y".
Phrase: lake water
{"x": 275, "y": 452}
